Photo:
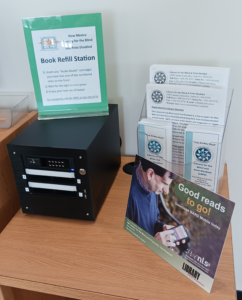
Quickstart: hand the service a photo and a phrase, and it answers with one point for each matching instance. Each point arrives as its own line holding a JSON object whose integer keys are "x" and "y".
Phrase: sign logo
{"x": 157, "y": 96}
{"x": 203, "y": 154}
{"x": 199, "y": 259}
{"x": 160, "y": 77}
{"x": 49, "y": 43}
{"x": 154, "y": 146}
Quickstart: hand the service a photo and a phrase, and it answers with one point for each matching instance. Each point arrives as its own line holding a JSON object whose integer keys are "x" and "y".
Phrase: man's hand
{"x": 167, "y": 227}
{"x": 166, "y": 237}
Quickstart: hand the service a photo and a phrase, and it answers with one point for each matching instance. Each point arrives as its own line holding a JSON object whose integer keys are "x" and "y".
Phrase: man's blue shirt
{"x": 143, "y": 208}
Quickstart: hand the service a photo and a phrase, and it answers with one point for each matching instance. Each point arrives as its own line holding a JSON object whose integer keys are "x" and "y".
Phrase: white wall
{"x": 136, "y": 35}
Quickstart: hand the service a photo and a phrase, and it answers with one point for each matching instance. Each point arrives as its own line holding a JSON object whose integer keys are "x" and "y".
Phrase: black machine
{"x": 65, "y": 167}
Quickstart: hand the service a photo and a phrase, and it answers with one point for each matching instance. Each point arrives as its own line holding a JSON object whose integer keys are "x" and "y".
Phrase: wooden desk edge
{"x": 55, "y": 290}
{"x": 19, "y": 126}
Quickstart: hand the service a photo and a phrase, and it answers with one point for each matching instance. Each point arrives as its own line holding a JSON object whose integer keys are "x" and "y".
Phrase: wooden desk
{"x": 98, "y": 261}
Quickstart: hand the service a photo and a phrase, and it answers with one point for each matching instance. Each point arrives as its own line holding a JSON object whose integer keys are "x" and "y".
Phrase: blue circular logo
{"x": 203, "y": 154}
{"x": 160, "y": 77}
{"x": 154, "y": 146}
{"x": 157, "y": 96}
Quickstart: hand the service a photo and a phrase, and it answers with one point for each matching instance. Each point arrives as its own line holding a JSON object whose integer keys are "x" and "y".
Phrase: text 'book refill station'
{"x": 65, "y": 167}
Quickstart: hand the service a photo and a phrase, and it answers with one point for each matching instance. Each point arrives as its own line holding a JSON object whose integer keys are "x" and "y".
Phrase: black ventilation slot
{"x": 52, "y": 192}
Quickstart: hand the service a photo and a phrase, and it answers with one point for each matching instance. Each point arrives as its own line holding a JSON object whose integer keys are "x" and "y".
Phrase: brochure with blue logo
{"x": 66, "y": 57}
{"x": 155, "y": 141}
{"x": 202, "y": 155}
{"x": 182, "y": 222}
{"x": 190, "y": 75}
{"x": 183, "y": 105}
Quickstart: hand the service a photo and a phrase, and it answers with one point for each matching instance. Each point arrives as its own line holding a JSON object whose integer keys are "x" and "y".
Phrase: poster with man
{"x": 183, "y": 223}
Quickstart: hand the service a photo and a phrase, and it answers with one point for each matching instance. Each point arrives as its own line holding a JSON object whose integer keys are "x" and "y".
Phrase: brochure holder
{"x": 12, "y": 109}
{"x": 182, "y": 168}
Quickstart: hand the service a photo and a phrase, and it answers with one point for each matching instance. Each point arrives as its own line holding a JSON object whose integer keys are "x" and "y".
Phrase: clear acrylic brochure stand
{"x": 12, "y": 109}
{"x": 180, "y": 169}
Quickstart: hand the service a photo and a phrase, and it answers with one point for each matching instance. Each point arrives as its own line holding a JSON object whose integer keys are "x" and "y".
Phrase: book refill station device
{"x": 65, "y": 167}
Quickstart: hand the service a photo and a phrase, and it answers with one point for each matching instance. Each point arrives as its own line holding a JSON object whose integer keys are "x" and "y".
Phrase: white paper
{"x": 184, "y": 105}
{"x": 67, "y": 65}
{"x": 190, "y": 75}
{"x": 202, "y": 155}
{"x": 155, "y": 141}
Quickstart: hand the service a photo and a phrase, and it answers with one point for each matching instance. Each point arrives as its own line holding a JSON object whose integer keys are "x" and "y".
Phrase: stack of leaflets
{"x": 155, "y": 141}
{"x": 202, "y": 155}
{"x": 187, "y": 95}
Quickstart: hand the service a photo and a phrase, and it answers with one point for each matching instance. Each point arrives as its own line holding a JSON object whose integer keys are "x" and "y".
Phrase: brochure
{"x": 155, "y": 141}
{"x": 190, "y": 75}
{"x": 184, "y": 105}
{"x": 66, "y": 57}
{"x": 202, "y": 155}
{"x": 183, "y": 223}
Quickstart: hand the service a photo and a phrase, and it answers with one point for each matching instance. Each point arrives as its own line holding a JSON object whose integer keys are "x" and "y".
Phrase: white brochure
{"x": 155, "y": 141}
{"x": 202, "y": 155}
{"x": 184, "y": 105}
{"x": 190, "y": 75}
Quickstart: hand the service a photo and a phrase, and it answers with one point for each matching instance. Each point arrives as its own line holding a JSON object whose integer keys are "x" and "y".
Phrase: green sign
{"x": 66, "y": 57}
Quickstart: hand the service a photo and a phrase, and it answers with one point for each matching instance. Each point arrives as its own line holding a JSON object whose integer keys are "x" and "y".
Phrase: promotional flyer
{"x": 183, "y": 223}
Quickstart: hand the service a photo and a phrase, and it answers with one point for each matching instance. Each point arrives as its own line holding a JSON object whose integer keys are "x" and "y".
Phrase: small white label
{"x": 24, "y": 177}
{"x": 79, "y": 181}
{"x": 26, "y": 189}
{"x": 80, "y": 194}
{"x": 50, "y": 173}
